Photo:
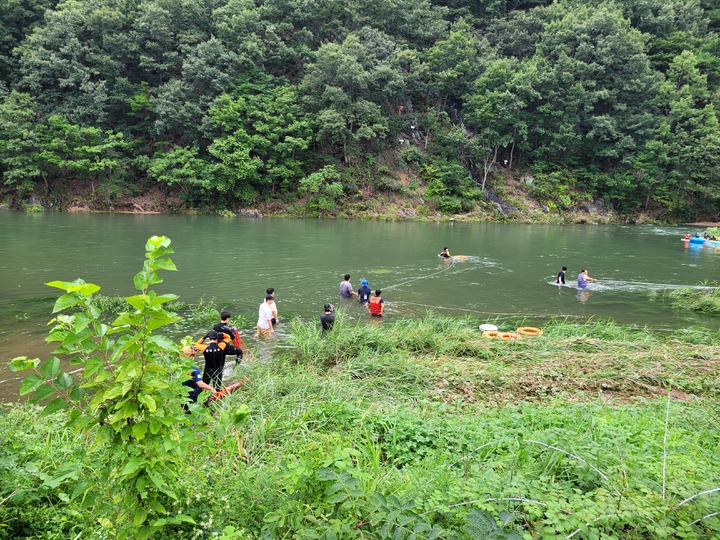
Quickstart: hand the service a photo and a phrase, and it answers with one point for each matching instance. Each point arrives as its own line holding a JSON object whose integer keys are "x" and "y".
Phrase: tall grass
{"x": 380, "y": 431}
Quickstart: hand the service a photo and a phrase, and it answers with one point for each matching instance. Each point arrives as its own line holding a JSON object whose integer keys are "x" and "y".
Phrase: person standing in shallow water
{"x": 376, "y": 305}
{"x": 265, "y": 317}
{"x": 346, "y": 290}
{"x": 561, "y": 276}
{"x": 584, "y": 279}
{"x": 364, "y": 291}
{"x": 327, "y": 319}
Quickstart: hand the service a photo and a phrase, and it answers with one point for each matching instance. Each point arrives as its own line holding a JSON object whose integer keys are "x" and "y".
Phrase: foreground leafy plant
{"x": 124, "y": 401}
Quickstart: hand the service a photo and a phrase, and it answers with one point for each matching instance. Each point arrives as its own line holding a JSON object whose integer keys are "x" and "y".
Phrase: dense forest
{"x": 226, "y": 104}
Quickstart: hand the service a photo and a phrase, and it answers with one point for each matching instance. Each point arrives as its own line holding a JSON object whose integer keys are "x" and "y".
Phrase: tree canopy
{"x": 236, "y": 101}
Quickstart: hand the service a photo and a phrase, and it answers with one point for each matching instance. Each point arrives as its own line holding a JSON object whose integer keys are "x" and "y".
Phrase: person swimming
{"x": 445, "y": 253}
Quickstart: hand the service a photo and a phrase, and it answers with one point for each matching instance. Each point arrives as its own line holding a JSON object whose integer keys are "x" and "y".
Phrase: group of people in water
{"x": 224, "y": 339}
{"x": 375, "y": 305}
{"x": 582, "y": 280}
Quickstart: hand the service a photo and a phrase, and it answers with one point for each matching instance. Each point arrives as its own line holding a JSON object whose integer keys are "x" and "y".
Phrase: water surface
{"x": 508, "y": 272}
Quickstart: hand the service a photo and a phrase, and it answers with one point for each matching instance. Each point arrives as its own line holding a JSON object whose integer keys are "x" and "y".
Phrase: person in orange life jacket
{"x": 376, "y": 305}
{"x": 223, "y": 327}
{"x": 214, "y": 355}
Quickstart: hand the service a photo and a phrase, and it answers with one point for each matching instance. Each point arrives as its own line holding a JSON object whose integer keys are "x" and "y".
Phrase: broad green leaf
{"x": 21, "y": 363}
{"x": 89, "y": 289}
{"x": 149, "y": 403}
{"x": 164, "y": 264}
{"x": 132, "y": 466}
{"x": 51, "y": 368}
{"x": 66, "y": 301}
{"x": 129, "y": 409}
{"x": 44, "y": 392}
{"x": 164, "y": 342}
{"x": 140, "y": 516}
{"x": 54, "y": 406}
{"x": 64, "y": 285}
{"x": 30, "y": 384}
{"x": 155, "y": 505}
{"x": 155, "y": 242}
{"x": 64, "y": 381}
{"x": 89, "y": 499}
{"x": 157, "y": 322}
{"x": 163, "y": 299}
{"x": 138, "y": 301}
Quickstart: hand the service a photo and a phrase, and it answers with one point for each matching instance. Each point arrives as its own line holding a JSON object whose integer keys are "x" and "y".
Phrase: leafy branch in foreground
{"x": 124, "y": 400}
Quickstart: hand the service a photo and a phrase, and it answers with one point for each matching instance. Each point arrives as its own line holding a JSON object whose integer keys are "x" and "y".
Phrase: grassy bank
{"x": 424, "y": 429}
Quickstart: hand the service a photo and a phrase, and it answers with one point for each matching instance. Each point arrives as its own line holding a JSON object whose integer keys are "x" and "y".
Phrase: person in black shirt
{"x": 328, "y": 318}
{"x": 364, "y": 291}
{"x": 561, "y": 276}
{"x": 224, "y": 324}
{"x": 214, "y": 355}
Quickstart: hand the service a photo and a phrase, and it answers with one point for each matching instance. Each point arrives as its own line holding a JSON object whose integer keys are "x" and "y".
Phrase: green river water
{"x": 508, "y": 273}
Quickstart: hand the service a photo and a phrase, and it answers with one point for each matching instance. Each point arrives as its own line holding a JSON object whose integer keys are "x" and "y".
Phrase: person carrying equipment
{"x": 214, "y": 354}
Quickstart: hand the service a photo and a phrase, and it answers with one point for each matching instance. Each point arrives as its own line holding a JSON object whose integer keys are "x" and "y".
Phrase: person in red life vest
{"x": 376, "y": 305}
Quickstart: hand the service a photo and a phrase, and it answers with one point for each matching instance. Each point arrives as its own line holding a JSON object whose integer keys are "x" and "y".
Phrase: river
{"x": 508, "y": 272}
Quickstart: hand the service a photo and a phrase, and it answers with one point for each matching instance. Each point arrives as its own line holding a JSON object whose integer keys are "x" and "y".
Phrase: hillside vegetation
{"x": 325, "y": 107}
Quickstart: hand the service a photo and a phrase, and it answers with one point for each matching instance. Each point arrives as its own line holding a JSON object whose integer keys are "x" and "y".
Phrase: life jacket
{"x": 375, "y": 305}
{"x": 223, "y": 341}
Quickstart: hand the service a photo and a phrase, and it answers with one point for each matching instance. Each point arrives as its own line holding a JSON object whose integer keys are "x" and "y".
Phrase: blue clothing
{"x": 581, "y": 281}
{"x": 195, "y": 377}
{"x": 364, "y": 293}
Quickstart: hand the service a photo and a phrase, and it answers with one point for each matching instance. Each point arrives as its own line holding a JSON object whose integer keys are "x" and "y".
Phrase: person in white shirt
{"x": 265, "y": 317}
{"x": 271, "y": 292}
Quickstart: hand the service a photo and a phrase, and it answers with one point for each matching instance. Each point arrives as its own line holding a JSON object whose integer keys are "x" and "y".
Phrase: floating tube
{"x": 529, "y": 331}
{"x": 500, "y": 335}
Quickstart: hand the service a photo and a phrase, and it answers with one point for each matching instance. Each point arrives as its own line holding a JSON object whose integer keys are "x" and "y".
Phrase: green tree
{"x": 454, "y": 63}
{"x": 17, "y": 19}
{"x": 595, "y": 86}
{"x": 20, "y": 160}
{"x": 344, "y": 87}
{"x": 125, "y": 400}
{"x": 680, "y": 167}
{"x": 497, "y": 110}
{"x": 183, "y": 168}
{"x": 89, "y": 153}
{"x": 263, "y": 137}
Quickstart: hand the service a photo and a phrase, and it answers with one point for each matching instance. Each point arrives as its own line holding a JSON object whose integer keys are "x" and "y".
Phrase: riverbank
{"x": 423, "y": 425}
{"x": 510, "y": 201}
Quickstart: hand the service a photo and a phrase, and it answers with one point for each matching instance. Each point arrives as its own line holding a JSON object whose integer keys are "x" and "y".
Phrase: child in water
{"x": 561, "y": 276}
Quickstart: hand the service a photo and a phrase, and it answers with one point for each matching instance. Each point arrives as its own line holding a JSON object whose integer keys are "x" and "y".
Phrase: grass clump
{"x": 706, "y": 300}
{"x": 423, "y": 428}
